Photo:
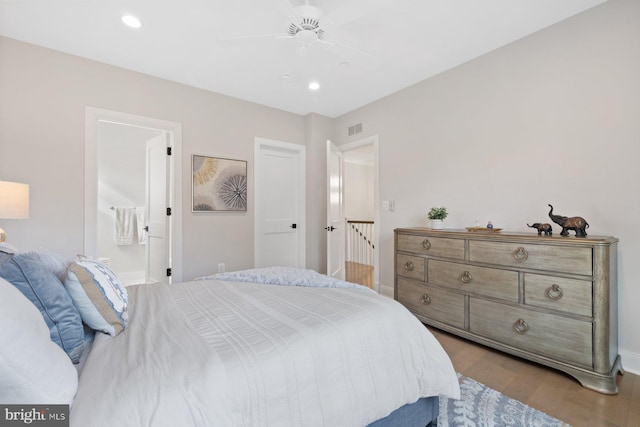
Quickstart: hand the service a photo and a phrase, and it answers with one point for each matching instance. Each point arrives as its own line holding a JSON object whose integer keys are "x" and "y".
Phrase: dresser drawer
{"x": 559, "y": 293}
{"x": 576, "y": 260}
{"x": 432, "y": 246}
{"x": 436, "y": 304}
{"x": 568, "y": 340}
{"x": 410, "y": 266}
{"x": 490, "y": 282}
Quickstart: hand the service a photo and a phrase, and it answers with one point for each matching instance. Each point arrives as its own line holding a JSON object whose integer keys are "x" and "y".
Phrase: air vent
{"x": 355, "y": 129}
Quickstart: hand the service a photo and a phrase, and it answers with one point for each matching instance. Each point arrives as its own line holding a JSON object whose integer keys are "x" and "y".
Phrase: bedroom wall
{"x": 319, "y": 129}
{"x": 43, "y": 94}
{"x": 358, "y": 190}
{"x": 551, "y": 118}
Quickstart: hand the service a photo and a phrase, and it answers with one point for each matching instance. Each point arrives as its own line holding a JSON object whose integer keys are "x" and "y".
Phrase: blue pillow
{"x": 43, "y": 288}
{"x": 99, "y": 296}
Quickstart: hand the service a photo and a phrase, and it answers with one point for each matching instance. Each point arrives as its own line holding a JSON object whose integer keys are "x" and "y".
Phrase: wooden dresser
{"x": 552, "y": 300}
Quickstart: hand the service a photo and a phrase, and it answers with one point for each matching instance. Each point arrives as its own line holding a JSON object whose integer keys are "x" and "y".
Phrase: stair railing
{"x": 360, "y": 245}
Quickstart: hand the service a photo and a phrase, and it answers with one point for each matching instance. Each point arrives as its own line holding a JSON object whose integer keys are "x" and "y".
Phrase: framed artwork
{"x": 218, "y": 184}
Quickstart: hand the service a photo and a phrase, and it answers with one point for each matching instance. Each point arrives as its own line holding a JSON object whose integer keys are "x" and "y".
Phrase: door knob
{"x": 330, "y": 228}
{"x": 294, "y": 226}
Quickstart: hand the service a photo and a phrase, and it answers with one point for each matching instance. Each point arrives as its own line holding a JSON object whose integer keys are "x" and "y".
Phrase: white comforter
{"x": 210, "y": 353}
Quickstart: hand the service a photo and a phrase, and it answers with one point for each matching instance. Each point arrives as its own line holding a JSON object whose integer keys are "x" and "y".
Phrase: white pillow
{"x": 33, "y": 369}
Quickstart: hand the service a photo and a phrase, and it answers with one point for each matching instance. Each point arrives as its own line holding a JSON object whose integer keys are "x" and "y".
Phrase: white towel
{"x": 124, "y": 226}
{"x": 140, "y": 220}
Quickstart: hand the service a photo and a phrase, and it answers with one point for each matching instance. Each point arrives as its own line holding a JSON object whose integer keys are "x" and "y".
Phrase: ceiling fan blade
{"x": 353, "y": 10}
{"x": 350, "y": 53}
{"x": 286, "y": 8}
{"x": 245, "y": 40}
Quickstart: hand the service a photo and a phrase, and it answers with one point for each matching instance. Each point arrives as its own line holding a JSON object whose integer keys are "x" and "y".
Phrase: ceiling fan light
{"x": 306, "y": 37}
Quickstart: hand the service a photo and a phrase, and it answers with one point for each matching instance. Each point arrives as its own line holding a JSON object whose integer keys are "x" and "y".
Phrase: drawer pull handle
{"x": 426, "y": 299}
{"x": 465, "y": 277}
{"x": 408, "y": 266}
{"x": 520, "y": 254}
{"x": 426, "y": 244}
{"x": 521, "y": 327}
{"x": 554, "y": 292}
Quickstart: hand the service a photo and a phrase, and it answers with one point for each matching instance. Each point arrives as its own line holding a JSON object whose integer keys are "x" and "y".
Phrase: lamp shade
{"x": 14, "y": 200}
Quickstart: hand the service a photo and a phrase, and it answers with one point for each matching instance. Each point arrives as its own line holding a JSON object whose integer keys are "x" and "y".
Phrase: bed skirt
{"x": 418, "y": 414}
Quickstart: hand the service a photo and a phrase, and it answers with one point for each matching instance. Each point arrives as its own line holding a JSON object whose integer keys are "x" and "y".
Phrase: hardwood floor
{"x": 550, "y": 391}
{"x": 361, "y": 274}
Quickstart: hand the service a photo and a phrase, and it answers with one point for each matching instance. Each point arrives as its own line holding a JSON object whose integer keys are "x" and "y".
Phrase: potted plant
{"x": 437, "y": 215}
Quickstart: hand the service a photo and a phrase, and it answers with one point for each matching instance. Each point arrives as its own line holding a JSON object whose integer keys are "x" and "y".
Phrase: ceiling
{"x": 378, "y": 46}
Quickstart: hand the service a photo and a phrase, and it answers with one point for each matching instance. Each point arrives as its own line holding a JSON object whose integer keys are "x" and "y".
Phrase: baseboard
{"x": 386, "y": 291}
{"x": 630, "y": 362}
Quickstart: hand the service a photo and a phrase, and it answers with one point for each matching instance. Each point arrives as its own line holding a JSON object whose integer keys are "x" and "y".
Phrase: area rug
{"x": 481, "y": 406}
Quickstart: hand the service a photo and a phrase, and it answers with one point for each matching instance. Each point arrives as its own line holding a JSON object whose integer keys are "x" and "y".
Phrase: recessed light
{"x": 131, "y": 21}
{"x": 314, "y": 86}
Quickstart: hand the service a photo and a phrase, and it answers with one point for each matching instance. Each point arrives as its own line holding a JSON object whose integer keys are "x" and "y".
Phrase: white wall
{"x": 551, "y": 118}
{"x": 358, "y": 190}
{"x": 318, "y": 130}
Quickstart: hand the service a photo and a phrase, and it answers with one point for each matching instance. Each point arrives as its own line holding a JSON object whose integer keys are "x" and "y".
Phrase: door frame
{"x": 93, "y": 116}
{"x": 374, "y": 141}
{"x": 300, "y": 150}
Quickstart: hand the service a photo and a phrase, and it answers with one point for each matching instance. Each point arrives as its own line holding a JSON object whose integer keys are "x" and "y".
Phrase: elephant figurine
{"x": 542, "y": 228}
{"x": 575, "y": 223}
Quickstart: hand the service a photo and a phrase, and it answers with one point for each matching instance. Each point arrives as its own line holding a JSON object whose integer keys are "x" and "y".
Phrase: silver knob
{"x": 554, "y": 292}
{"x": 521, "y": 327}
{"x": 465, "y": 277}
{"x": 520, "y": 254}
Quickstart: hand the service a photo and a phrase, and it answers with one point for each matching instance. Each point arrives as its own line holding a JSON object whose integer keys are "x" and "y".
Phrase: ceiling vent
{"x": 355, "y": 129}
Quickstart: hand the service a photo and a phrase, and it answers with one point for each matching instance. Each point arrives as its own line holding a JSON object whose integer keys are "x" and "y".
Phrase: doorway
{"x": 118, "y": 165}
{"x": 359, "y": 178}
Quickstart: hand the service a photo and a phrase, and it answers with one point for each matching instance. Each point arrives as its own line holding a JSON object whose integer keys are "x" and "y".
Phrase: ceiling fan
{"x": 308, "y": 24}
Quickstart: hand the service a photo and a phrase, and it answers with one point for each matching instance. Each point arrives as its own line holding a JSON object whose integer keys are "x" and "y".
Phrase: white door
{"x": 335, "y": 219}
{"x": 159, "y": 227}
{"x": 279, "y": 197}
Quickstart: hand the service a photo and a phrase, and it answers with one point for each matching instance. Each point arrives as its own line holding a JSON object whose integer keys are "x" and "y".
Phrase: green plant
{"x": 438, "y": 213}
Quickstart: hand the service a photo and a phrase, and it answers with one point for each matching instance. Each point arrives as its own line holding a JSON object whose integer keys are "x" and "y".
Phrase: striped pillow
{"x": 99, "y": 296}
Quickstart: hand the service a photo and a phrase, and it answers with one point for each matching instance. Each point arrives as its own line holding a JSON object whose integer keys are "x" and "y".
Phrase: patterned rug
{"x": 481, "y": 406}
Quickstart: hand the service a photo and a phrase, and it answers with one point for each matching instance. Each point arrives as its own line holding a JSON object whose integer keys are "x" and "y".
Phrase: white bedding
{"x": 211, "y": 353}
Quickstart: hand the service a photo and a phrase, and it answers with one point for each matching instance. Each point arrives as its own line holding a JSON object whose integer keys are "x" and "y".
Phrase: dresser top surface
{"x": 509, "y": 236}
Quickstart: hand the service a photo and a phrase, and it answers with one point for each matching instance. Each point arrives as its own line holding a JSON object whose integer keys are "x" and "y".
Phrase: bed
{"x": 261, "y": 348}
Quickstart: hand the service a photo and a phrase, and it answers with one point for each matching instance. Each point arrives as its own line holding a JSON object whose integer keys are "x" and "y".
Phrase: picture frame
{"x": 218, "y": 184}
